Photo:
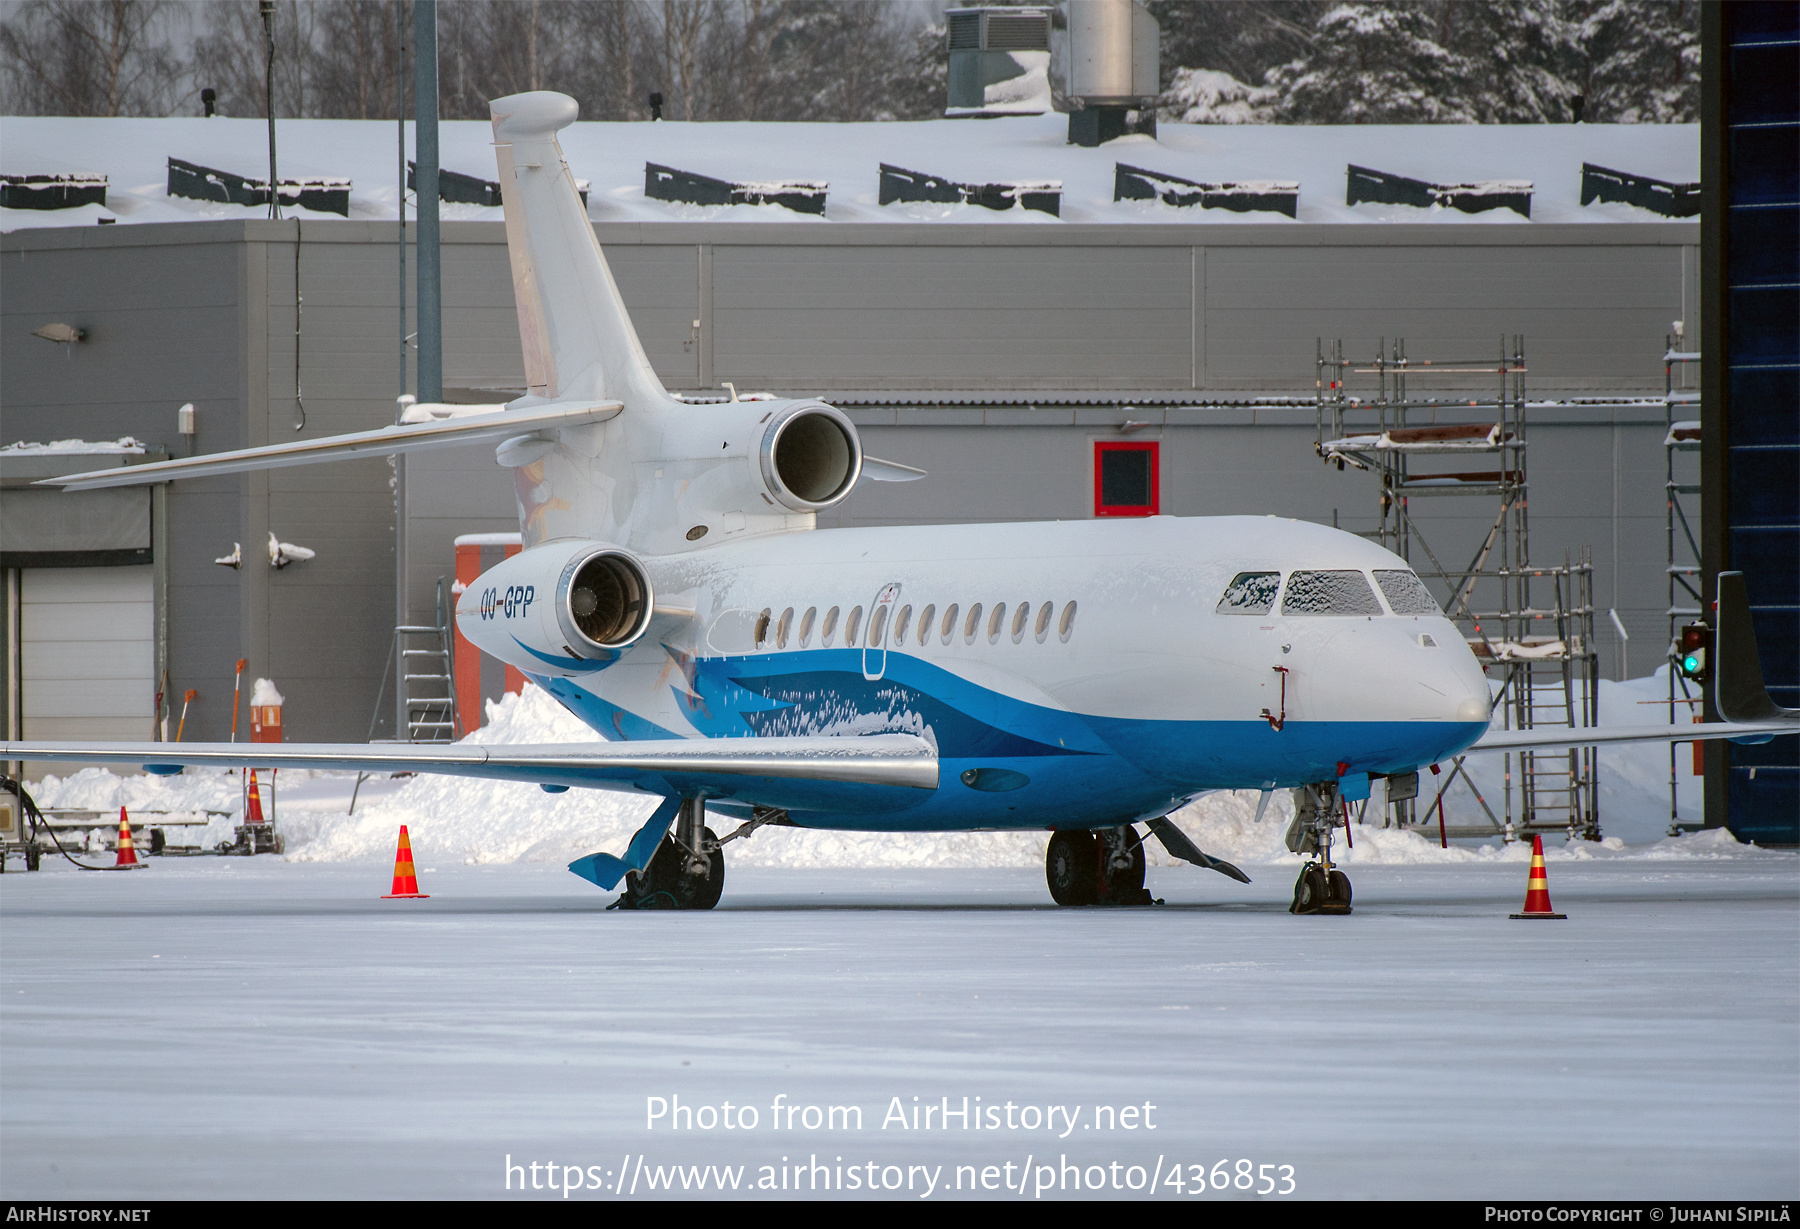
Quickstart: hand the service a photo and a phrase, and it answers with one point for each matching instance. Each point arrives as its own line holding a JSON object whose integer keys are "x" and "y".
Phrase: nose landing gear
{"x": 1321, "y": 887}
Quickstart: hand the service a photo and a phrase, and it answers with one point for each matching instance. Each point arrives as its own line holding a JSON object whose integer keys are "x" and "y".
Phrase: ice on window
{"x": 1406, "y": 594}
{"x": 1250, "y": 593}
{"x": 1329, "y": 593}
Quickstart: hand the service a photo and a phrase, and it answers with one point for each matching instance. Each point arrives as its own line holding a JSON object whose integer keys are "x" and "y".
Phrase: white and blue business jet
{"x": 1083, "y": 677}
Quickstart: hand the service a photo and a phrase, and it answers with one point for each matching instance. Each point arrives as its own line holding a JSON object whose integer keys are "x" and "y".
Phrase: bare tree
{"x": 91, "y": 57}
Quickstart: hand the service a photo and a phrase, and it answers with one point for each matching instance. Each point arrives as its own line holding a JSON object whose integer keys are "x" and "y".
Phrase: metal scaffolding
{"x": 1400, "y": 418}
{"x": 1680, "y": 369}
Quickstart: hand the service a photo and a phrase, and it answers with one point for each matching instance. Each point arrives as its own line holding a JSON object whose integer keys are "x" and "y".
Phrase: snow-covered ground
{"x": 134, "y": 154}
{"x": 257, "y": 1028}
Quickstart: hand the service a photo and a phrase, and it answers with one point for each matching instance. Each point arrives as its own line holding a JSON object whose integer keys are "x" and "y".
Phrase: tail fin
{"x": 1738, "y": 692}
{"x": 578, "y": 340}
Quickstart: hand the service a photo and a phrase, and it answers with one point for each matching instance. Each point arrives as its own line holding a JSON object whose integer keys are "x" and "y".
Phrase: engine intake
{"x": 603, "y": 601}
{"x": 810, "y": 456}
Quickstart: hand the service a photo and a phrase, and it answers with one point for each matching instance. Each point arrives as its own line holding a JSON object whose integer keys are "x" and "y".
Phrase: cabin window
{"x": 902, "y": 621}
{"x": 925, "y": 617}
{"x": 1043, "y": 621}
{"x": 971, "y": 623}
{"x": 826, "y": 632}
{"x": 949, "y": 628}
{"x": 878, "y": 625}
{"x": 851, "y": 624}
{"x": 762, "y": 628}
{"x": 1406, "y": 594}
{"x": 1021, "y": 612}
{"x": 1329, "y": 593}
{"x": 1125, "y": 478}
{"x": 995, "y": 621}
{"x": 1251, "y": 593}
{"x": 1066, "y": 627}
{"x": 782, "y": 628}
{"x": 806, "y": 625}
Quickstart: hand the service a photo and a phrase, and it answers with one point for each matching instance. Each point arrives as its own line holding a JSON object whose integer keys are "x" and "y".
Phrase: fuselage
{"x": 1070, "y": 674}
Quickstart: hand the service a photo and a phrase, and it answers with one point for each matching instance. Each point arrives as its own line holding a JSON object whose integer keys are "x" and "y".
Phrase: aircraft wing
{"x": 798, "y": 773}
{"x": 405, "y": 437}
{"x": 1594, "y": 736}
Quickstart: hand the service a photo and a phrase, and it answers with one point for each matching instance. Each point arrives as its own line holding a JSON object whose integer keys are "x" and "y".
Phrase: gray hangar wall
{"x": 990, "y": 356}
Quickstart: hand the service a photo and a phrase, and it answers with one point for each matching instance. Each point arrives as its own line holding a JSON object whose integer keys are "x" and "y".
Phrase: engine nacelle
{"x": 809, "y": 456}
{"x": 562, "y": 607}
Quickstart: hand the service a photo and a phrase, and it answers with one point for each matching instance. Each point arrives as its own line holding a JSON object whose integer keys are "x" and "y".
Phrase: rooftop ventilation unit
{"x": 999, "y": 62}
{"x": 1114, "y": 67}
{"x": 1476, "y": 197}
{"x": 665, "y": 183}
{"x": 51, "y": 191}
{"x": 1672, "y": 200}
{"x": 1045, "y": 196}
{"x": 320, "y": 193}
{"x": 455, "y": 188}
{"x": 1132, "y": 183}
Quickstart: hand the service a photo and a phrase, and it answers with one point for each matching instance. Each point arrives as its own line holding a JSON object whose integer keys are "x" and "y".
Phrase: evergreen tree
{"x": 1377, "y": 64}
{"x": 1641, "y": 61}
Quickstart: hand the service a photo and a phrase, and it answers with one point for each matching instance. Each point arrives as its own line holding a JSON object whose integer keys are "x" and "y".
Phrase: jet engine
{"x": 562, "y": 607}
{"x": 809, "y": 456}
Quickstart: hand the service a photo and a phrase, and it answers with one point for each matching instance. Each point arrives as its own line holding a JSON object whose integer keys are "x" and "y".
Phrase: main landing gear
{"x": 1321, "y": 888}
{"x": 687, "y": 871}
{"x": 1096, "y": 868}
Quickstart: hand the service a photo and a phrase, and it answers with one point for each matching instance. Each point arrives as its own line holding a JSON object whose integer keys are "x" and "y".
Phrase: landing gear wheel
{"x": 1122, "y": 885}
{"x": 1072, "y": 867}
{"x": 1310, "y": 890}
{"x": 1337, "y": 890}
{"x": 667, "y": 884}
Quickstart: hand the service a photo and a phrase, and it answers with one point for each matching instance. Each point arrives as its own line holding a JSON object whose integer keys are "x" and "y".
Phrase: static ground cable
{"x": 17, "y": 789}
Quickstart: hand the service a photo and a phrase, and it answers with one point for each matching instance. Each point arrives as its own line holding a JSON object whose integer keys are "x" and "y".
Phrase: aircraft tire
{"x": 1309, "y": 891}
{"x": 666, "y": 885}
{"x": 1072, "y": 867}
{"x": 1125, "y": 887}
{"x": 1337, "y": 889}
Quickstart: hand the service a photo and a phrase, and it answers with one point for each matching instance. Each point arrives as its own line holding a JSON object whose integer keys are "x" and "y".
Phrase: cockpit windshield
{"x": 1406, "y": 594}
{"x": 1250, "y": 593}
{"x": 1329, "y": 593}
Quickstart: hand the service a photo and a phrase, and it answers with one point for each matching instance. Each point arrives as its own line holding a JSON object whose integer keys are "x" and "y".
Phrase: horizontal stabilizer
{"x": 877, "y": 470}
{"x": 408, "y": 437}
{"x": 1177, "y": 843}
{"x": 731, "y": 767}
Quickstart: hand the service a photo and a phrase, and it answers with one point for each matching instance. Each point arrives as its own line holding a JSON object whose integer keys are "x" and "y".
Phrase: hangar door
{"x": 86, "y": 653}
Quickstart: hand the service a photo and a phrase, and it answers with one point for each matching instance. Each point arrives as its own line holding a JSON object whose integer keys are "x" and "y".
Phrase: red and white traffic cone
{"x": 1537, "y": 888}
{"x": 127, "y": 851}
{"x": 253, "y": 812}
{"x": 406, "y": 881}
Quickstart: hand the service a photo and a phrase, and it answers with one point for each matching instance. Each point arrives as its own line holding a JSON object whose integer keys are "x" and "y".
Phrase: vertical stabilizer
{"x": 578, "y": 340}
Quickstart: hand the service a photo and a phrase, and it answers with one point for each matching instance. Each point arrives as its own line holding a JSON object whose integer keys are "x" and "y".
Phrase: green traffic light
{"x": 1690, "y": 664}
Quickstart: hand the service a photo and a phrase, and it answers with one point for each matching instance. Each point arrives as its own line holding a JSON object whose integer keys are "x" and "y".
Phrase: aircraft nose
{"x": 1473, "y": 708}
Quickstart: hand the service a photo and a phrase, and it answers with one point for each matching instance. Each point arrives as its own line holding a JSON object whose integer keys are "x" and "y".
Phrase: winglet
{"x": 604, "y": 870}
{"x": 1738, "y": 690}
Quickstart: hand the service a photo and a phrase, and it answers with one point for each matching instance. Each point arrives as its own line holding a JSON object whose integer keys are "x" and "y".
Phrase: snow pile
{"x": 59, "y": 448}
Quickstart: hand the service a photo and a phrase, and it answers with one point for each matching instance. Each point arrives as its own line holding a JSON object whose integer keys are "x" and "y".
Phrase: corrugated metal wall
{"x": 205, "y": 312}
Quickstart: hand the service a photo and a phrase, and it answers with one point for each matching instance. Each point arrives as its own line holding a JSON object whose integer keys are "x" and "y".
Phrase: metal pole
{"x": 425, "y": 115}
{"x": 400, "y": 146}
{"x": 268, "y": 17}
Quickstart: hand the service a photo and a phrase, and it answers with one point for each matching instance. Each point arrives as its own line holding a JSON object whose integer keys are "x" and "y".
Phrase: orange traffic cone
{"x": 253, "y": 812}
{"x": 127, "y": 851}
{"x": 1537, "y": 888}
{"x": 406, "y": 883}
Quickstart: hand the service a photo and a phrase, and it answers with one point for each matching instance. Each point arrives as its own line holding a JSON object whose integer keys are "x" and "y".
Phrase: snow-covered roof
{"x": 134, "y": 153}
